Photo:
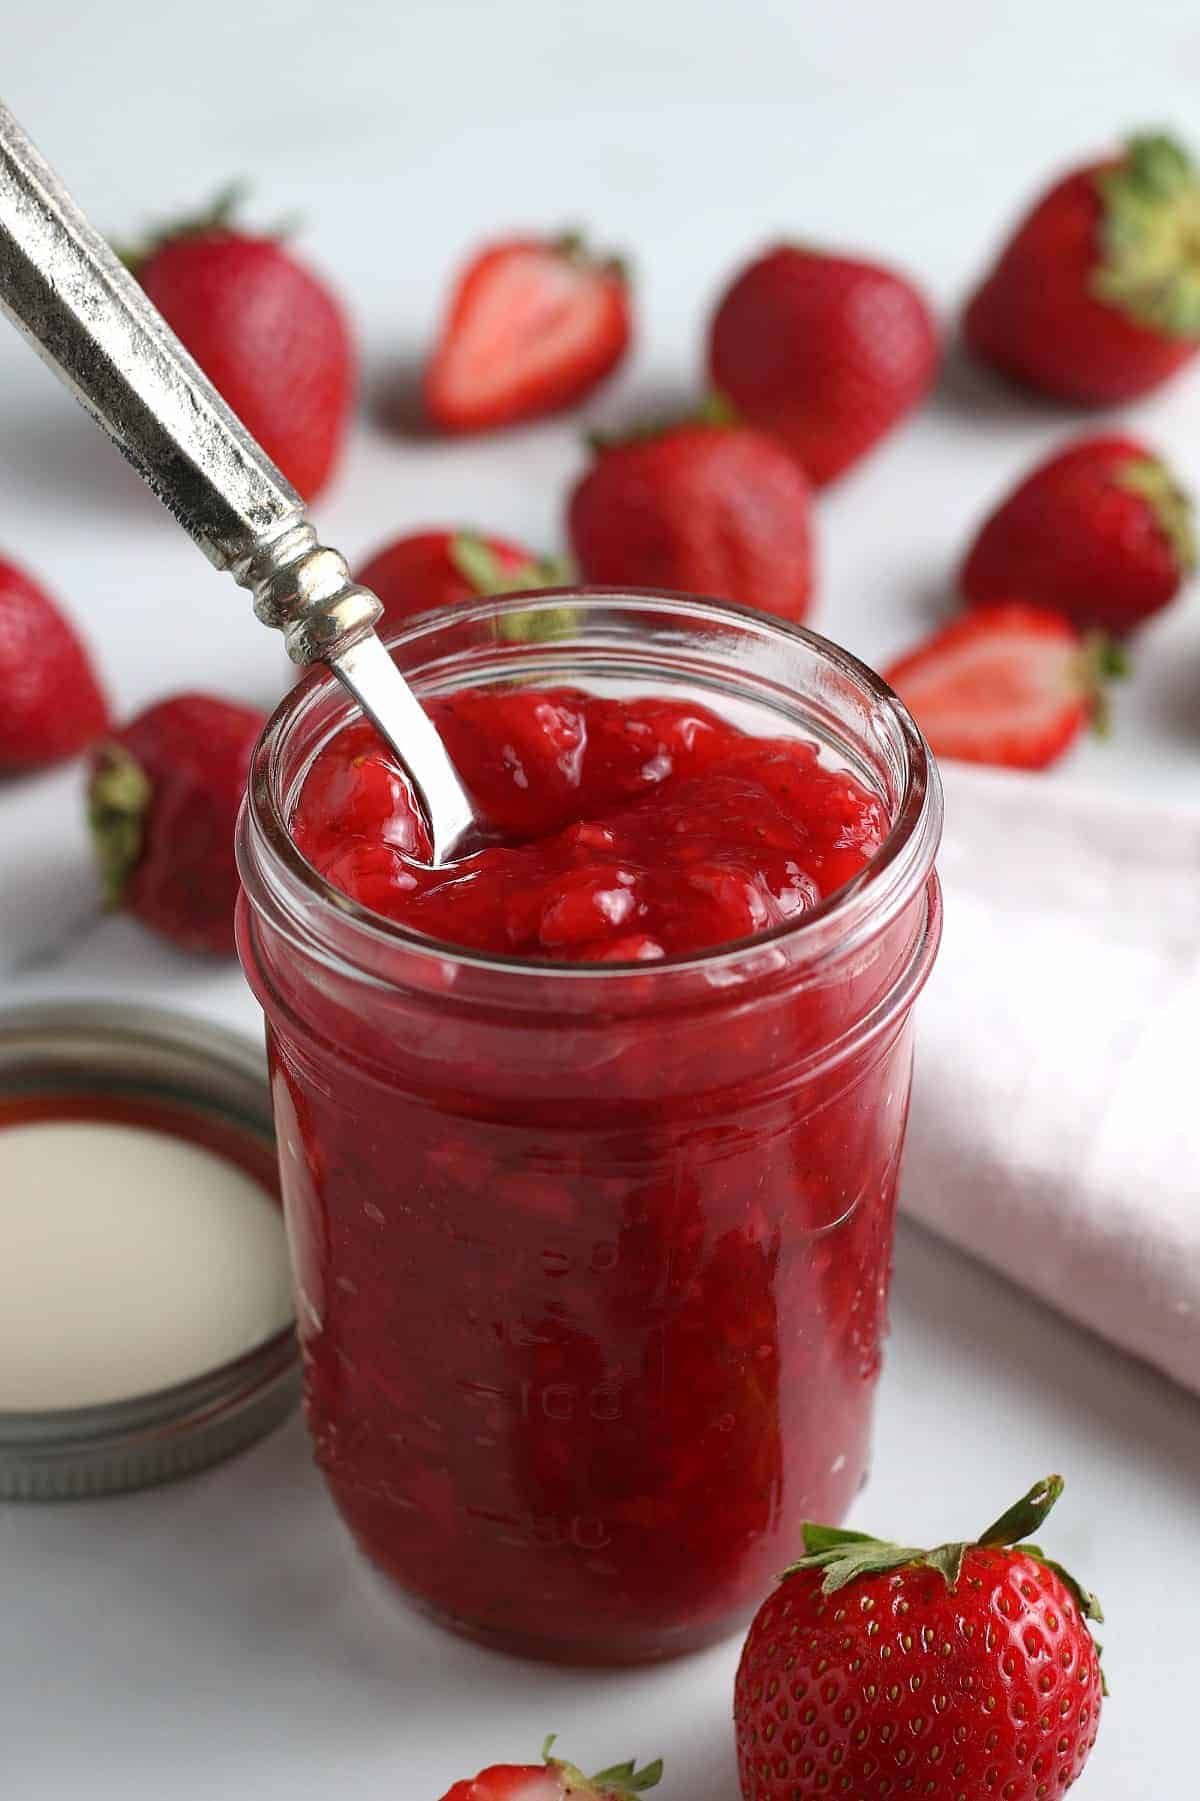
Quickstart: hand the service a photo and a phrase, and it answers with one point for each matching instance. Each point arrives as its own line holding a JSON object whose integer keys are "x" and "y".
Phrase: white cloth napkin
{"x": 1056, "y": 1116}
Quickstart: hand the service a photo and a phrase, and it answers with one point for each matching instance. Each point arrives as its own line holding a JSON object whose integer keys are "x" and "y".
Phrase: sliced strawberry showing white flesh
{"x": 1008, "y": 684}
{"x": 532, "y": 326}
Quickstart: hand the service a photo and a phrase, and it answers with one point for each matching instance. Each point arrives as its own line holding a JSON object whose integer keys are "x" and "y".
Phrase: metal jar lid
{"x": 189, "y": 1068}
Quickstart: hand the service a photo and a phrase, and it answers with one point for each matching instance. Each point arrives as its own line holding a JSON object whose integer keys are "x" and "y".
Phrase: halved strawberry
{"x": 533, "y": 325}
{"x": 1008, "y": 683}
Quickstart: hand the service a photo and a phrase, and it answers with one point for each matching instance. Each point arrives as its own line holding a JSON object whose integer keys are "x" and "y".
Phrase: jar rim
{"x": 898, "y": 869}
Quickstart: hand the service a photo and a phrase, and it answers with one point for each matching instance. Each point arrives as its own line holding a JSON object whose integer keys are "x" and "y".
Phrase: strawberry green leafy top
{"x": 621, "y": 1782}
{"x": 844, "y": 1555}
{"x": 1150, "y": 236}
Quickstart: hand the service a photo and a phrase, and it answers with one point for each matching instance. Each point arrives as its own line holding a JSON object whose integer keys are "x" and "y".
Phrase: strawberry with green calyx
{"x": 554, "y": 1780}
{"x": 163, "y": 800}
{"x": 1096, "y": 297}
{"x": 1102, "y": 532}
{"x": 270, "y": 336}
{"x": 882, "y": 1669}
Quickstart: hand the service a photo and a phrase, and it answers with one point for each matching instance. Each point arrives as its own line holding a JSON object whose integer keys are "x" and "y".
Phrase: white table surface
{"x": 218, "y": 1638}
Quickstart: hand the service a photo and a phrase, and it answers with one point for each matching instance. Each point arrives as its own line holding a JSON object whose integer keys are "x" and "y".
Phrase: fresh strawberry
{"x": 826, "y": 352}
{"x": 1007, "y": 683}
{"x": 876, "y": 1669}
{"x": 708, "y": 509}
{"x": 1101, "y": 532}
{"x": 162, "y": 804}
{"x": 554, "y": 1780}
{"x": 533, "y": 325}
{"x": 268, "y": 334}
{"x": 51, "y": 704}
{"x": 440, "y": 569}
{"x": 1096, "y": 297}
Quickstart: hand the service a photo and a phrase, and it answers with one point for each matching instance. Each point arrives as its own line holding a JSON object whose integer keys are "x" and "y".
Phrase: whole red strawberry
{"x": 1101, "y": 532}
{"x": 51, "y": 704}
{"x": 876, "y": 1669}
{"x": 554, "y": 1780}
{"x": 440, "y": 569}
{"x": 267, "y": 332}
{"x": 827, "y": 352}
{"x": 533, "y": 325}
{"x": 162, "y": 804}
{"x": 707, "y": 509}
{"x": 1008, "y": 684}
{"x": 1096, "y": 297}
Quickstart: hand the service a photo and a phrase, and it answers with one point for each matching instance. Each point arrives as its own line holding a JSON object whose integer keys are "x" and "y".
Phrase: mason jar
{"x": 592, "y": 1260}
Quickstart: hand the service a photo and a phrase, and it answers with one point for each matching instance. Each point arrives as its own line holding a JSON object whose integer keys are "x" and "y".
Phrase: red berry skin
{"x": 896, "y": 1685}
{"x": 1100, "y": 532}
{"x": 416, "y": 573}
{"x": 194, "y": 750}
{"x": 270, "y": 337}
{"x": 1036, "y": 319}
{"x": 827, "y": 352}
{"x": 53, "y": 705}
{"x": 517, "y": 1782}
{"x": 533, "y": 325}
{"x": 712, "y": 510}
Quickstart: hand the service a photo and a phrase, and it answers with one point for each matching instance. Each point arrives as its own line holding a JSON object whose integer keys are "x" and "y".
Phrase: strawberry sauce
{"x": 632, "y": 832}
{"x": 592, "y": 1264}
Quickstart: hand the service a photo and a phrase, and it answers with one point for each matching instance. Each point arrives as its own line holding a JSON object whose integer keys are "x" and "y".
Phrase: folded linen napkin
{"x": 1056, "y": 1115}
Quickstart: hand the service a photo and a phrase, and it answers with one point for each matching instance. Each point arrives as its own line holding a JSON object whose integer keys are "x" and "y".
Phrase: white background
{"x": 218, "y": 1638}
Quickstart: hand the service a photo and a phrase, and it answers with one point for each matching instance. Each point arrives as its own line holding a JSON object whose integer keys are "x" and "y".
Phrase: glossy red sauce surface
{"x": 591, "y": 1304}
{"x": 633, "y": 830}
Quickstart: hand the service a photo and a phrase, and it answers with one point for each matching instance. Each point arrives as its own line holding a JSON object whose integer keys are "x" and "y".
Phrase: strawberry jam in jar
{"x": 589, "y": 1143}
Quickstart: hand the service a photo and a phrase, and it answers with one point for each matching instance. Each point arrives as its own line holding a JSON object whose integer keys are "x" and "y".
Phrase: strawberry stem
{"x": 1105, "y": 660}
{"x": 119, "y": 796}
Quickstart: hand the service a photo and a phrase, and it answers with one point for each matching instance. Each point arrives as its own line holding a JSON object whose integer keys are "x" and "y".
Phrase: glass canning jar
{"x": 592, "y": 1260}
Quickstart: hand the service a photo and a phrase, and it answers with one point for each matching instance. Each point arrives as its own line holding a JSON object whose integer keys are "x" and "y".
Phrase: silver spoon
{"x": 86, "y": 316}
